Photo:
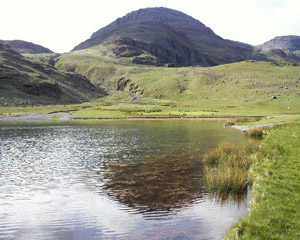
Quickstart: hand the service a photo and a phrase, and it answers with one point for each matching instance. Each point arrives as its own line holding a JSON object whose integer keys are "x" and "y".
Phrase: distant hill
{"x": 288, "y": 44}
{"x": 159, "y": 36}
{"x": 284, "y": 48}
{"x": 23, "y": 82}
{"x": 26, "y": 47}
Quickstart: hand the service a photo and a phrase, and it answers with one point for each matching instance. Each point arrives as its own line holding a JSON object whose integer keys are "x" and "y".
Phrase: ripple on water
{"x": 115, "y": 180}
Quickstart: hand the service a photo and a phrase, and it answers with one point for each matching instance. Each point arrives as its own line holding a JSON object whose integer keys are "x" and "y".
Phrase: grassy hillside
{"x": 244, "y": 88}
{"x": 45, "y": 58}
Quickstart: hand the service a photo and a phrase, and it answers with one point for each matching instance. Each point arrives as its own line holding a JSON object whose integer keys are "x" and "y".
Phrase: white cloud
{"x": 62, "y": 24}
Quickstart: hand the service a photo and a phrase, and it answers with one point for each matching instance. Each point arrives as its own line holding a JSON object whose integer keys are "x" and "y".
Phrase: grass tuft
{"x": 231, "y": 122}
{"x": 226, "y": 167}
{"x": 213, "y": 158}
{"x": 255, "y": 132}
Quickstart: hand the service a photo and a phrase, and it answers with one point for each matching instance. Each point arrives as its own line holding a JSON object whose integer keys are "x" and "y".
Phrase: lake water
{"x": 112, "y": 180}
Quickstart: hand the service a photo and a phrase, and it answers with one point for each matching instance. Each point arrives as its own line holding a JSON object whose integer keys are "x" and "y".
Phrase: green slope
{"x": 245, "y": 87}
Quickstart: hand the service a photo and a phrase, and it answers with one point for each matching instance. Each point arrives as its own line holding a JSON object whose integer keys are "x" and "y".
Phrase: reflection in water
{"x": 161, "y": 183}
{"x": 115, "y": 180}
{"x": 228, "y": 198}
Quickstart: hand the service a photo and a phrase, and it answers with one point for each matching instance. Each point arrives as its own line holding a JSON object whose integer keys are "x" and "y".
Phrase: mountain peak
{"x": 158, "y": 14}
{"x": 170, "y": 37}
{"x": 145, "y": 20}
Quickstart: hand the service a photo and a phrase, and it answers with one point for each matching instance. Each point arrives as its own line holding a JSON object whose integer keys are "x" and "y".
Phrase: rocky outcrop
{"x": 126, "y": 85}
{"x": 122, "y": 83}
{"x": 47, "y": 89}
{"x": 167, "y": 51}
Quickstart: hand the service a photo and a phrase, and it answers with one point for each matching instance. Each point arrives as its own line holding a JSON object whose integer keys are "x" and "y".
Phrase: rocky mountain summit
{"x": 160, "y": 36}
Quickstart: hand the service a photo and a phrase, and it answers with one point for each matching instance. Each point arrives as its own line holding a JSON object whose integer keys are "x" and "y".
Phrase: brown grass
{"x": 226, "y": 167}
{"x": 255, "y": 132}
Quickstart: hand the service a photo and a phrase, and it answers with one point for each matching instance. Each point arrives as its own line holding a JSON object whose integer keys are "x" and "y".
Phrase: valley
{"x": 153, "y": 64}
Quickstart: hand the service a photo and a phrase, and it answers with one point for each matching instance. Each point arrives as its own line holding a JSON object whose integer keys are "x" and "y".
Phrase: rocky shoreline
{"x": 247, "y": 127}
{"x": 37, "y": 117}
{"x": 64, "y": 116}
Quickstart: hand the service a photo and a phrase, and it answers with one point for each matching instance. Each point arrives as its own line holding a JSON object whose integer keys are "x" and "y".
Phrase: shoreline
{"x": 275, "y": 187}
{"x": 245, "y": 128}
{"x": 66, "y": 117}
{"x": 158, "y": 119}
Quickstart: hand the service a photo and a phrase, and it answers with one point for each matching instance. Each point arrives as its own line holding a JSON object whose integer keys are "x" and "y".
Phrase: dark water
{"x": 112, "y": 180}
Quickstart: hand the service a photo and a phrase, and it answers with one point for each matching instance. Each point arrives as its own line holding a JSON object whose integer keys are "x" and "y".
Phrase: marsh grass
{"x": 255, "y": 132}
{"x": 247, "y": 120}
{"x": 226, "y": 167}
{"x": 242, "y": 120}
{"x": 231, "y": 122}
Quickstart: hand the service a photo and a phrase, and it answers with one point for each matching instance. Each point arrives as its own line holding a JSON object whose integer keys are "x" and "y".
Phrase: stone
{"x": 273, "y": 97}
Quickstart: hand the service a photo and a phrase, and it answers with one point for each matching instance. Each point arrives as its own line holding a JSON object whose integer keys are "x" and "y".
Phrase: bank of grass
{"x": 259, "y": 126}
{"x": 116, "y": 109}
{"x": 120, "y": 105}
{"x": 275, "y": 119}
{"x": 226, "y": 167}
{"x": 274, "y": 211}
{"x": 255, "y": 132}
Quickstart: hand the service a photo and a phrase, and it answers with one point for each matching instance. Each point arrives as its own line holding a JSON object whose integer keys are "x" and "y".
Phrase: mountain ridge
{"x": 282, "y": 48}
{"x": 289, "y": 43}
{"x": 25, "y": 47}
{"x": 25, "y": 82}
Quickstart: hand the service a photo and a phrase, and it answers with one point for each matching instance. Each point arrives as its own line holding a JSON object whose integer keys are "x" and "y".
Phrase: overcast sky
{"x": 62, "y": 24}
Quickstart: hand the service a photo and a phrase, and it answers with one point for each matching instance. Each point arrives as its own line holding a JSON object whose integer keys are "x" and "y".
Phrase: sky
{"x": 60, "y": 25}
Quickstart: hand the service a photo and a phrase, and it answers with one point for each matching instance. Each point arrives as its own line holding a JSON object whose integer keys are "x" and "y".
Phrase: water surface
{"x": 112, "y": 180}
